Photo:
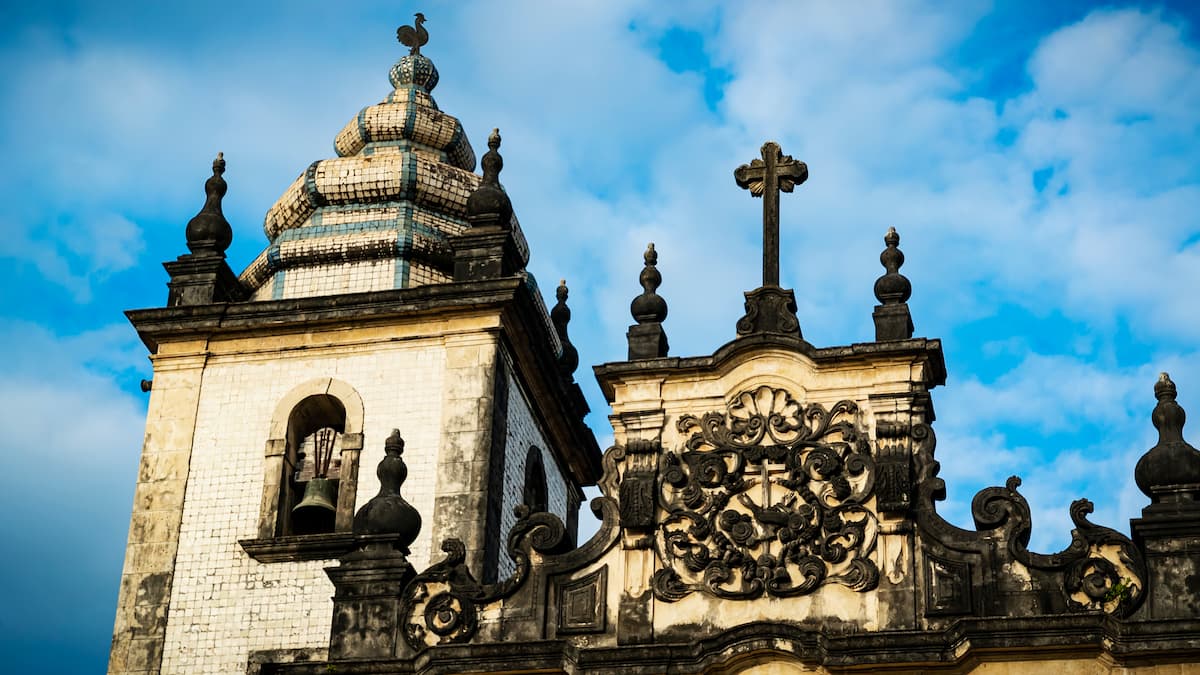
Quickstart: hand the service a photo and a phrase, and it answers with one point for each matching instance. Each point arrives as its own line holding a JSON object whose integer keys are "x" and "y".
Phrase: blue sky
{"x": 1041, "y": 162}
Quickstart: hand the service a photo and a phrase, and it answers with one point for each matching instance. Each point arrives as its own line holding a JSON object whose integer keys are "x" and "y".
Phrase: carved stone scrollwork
{"x": 1101, "y": 568}
{"x": 893, "y": 491}
{"x": 637, "y": 500}
{"x": 445, "y": 597}
{"x": 769, "y": 309}
{"x": 441, "y": 604}
{"x": 767, "y": 498}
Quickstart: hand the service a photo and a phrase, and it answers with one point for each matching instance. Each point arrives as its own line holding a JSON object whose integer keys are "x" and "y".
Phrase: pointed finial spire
{"x": 647, "y": 339}
{"x": 387, "y": 513}
{"x": 1170, "y": 471}
{"x": 489, "y": 204}
{"x": 208, "y": 231}
{"x": 492, "y": 162}
{"x": 892, "y": 288}
{"x": 649, "y": 307}
{"x": 892, "y": 318}
{"x": 561, "y": 316}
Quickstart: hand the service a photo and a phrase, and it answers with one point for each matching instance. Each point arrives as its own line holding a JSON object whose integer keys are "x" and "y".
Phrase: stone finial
{"x": 492, "y": 161}
{"x": 647, "y": 340}
{"x": 491, "y": 247}
{"x": 561, "y": 316}
{"x": 892, "y": 318}
{"x": 1170, "y": 471}
{"x": 892, "y": 288}
{"x": 649, "y": 307}
{"x": 208, "y": 231}
{"x": 387, "y": 513}
{"x": 489, "y": 203}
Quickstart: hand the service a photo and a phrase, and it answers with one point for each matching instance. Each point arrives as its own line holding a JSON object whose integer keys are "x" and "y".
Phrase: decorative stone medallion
{"x": 767, "y": 498}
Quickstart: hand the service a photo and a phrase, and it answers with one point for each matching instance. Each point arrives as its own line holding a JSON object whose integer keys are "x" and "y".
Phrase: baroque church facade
{"x": 366, "y": 452}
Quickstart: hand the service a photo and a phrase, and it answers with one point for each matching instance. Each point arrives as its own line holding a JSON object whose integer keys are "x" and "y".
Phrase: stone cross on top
{"x": 766, "y": 178}
{"x": 769, "y": 308}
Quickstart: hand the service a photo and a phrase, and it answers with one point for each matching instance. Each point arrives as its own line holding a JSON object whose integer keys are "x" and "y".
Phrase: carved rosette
{"x": 768, "y": 498}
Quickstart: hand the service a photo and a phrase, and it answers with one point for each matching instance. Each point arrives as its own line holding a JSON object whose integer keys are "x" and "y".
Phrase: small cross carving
{"x": 766, "y": 178}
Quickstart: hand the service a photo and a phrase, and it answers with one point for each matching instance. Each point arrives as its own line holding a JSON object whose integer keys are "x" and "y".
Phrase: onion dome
{"x": 1170, "y": 471}
{"x": 379, "y": 215}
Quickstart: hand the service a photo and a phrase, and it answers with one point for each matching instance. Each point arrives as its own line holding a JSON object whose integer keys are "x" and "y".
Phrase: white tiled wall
{"x": 523, "y": 431}
{"x": 223, "y": 603}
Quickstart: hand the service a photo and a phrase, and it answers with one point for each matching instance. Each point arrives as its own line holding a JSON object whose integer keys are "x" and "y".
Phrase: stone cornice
{"x": 960, "y": 648}
{"x": 528, "y": 333}
{"x": 926, "y": 349}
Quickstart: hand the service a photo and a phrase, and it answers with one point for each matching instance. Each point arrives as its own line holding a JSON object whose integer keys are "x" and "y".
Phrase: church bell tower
{"x": 390, "y": 307}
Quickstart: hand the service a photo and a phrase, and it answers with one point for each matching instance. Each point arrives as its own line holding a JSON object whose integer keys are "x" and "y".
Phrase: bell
{"x": 315, "y": 512}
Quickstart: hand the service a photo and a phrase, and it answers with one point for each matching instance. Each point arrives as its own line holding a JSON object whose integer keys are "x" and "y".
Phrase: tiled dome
{"x": 379, "y": 215}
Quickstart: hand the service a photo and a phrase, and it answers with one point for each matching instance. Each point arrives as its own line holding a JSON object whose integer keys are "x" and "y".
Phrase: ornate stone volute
{"x": 388, "y": 514}
{"x": 892, "y": 318}
{"x": 208, "y": 232}
{"x": 568, "y": 361}
{"x": 647, "y": 340}
{"x": 489, "y": 249}
{"x": 202, "y": 276}
{"x": 1169, "y": 473}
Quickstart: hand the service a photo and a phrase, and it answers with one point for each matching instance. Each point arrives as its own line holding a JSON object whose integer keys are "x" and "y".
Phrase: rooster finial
{"x": 414, "y": 36}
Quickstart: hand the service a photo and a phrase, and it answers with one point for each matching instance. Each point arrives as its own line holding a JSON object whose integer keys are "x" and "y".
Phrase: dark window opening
{"x": 535, "y": 494}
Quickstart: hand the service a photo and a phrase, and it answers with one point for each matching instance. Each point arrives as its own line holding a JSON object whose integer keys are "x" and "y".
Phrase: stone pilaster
{"x": 146, "y": 579}
{"x": 463, "y": 463}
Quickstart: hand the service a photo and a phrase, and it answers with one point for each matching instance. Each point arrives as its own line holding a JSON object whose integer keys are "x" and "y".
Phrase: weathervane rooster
{"x": 413, "y": 36}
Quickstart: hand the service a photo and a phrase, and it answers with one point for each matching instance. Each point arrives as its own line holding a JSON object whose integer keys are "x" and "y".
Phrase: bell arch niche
{"x": 310, "y": 474}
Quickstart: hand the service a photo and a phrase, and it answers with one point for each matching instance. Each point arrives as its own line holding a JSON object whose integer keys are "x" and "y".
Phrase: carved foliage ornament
{"x": 767, "y": 498}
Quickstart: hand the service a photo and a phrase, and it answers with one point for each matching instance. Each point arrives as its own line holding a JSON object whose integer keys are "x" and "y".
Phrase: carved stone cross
{"x": 766, "y": 178}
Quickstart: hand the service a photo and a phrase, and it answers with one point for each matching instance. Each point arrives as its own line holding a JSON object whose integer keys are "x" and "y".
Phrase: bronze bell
{"x": 316, "y": 511}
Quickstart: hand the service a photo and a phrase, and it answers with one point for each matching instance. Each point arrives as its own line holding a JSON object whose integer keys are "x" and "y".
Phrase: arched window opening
{"x": 535, "y": 494}
{"x": 312, "y": 466}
